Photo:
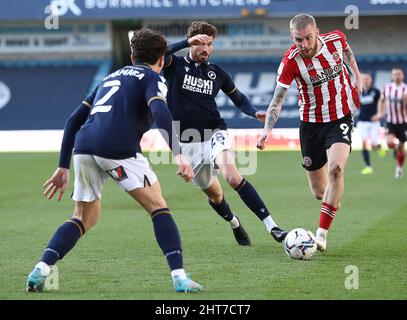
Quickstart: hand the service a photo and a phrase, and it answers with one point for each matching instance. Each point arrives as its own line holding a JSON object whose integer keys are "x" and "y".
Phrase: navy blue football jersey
{"x": 192, "y": 89}
{"x": 368, "y": 104}
{"x": 119, "y": 114}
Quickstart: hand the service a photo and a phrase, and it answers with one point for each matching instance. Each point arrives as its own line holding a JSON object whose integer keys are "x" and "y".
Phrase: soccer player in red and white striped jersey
{"x": 327, "y": 98}
{"x": 394, "y": 104}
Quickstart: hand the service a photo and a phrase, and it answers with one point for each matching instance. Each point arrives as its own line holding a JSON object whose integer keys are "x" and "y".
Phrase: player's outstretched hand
{"x": 198, "y": 39}
{"x": 261, "y": 141}
{"x": 184, "y": 168}
{"x": 261, "y": 116}
{"x": 58, "y": 181}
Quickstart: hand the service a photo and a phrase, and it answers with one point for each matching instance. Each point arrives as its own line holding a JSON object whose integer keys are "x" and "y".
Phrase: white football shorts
{"x": 369, "y": 129}
{"x": 202, "y": 156}
{"x": 92, "y": 171}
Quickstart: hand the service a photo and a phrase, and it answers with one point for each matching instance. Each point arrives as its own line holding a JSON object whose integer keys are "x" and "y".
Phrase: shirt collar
{"x": 139, "y": 64}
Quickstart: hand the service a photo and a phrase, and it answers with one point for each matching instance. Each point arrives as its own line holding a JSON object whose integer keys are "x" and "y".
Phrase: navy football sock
{"x": 366, "y": 157}
{"x": 222, "y": 209}
{"x": 168, "y": 238}
{"x": 252, "y": 199}
{"x": 63, "y": 241}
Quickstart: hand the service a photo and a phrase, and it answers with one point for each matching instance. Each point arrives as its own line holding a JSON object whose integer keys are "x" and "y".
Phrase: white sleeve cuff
{"x": 283, "y": 84}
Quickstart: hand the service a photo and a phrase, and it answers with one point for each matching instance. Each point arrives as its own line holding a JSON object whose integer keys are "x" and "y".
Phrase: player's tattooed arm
{"x": 273, "y": 111}
{"x": 350, "y": 59}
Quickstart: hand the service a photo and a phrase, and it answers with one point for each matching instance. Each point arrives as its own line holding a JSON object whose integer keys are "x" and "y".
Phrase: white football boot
{"x": 320, "y": 239}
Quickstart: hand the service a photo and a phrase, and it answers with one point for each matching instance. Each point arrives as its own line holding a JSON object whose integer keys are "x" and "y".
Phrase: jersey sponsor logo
{"x": 186, "y": 69}
{"x": 118, "y": 174}
{"x": 198, "y": 85}
{"x": 212, "y": 75}
{"x": 367, "y": 99}
{"x": 326, "y": 75}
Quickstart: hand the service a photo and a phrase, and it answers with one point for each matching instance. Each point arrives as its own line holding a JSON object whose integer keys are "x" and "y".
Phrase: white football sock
{"x": 269, "y": 223}
{"x": 45, "y": 269}
{"x": 178, "y": 272}
{"x": 234, "y": 223}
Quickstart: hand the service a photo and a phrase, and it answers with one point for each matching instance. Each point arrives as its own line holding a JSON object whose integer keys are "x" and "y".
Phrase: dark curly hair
{"x": 201, "y": 27}
{"x": 147, "y": 46}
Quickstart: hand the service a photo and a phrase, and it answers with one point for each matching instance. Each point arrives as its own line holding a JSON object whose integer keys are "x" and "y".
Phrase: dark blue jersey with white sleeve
{"x": 368, "y": 104}
{"x": 120, "y": 113}
{"x": 192, "y": 89}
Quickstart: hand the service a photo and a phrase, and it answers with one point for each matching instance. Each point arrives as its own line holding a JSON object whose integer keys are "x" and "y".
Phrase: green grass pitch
{"x": 120, "y": 259}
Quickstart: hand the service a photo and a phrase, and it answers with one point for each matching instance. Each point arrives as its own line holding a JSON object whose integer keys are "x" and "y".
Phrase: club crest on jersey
{"x": 212, "y": 75}
{"x": 336, "y": 56}
{"x": 310, "y": 67}
{"x": 118, "y": 174}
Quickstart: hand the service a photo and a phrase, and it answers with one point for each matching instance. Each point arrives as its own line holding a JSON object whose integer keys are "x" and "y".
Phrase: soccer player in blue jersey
{"x": 369, "y": 121}
{"x": 105, "y": 133}
{"x": 193, "y": 85}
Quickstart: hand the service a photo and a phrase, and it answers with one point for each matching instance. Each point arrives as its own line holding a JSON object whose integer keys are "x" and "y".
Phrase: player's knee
{"x": 318, "y": 194}
{"x": 233, "y": 180}
{"x": 335, "y": 171}
{"x": 87, "y": 221}
{"x": 216, "y": 198}
{"x": 391, "y": 144}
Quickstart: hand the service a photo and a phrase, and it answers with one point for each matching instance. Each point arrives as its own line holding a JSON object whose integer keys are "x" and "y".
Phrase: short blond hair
{"x": 300, "y": 21}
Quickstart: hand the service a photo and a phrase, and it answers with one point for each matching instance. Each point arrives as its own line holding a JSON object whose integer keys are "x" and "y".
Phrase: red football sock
{"x": 327, "y": 215}
{"x": 400, "y": 158}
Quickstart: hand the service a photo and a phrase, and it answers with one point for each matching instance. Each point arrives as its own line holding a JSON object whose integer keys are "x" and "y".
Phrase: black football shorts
{"x": 398, "y": 130}
{"x": 316, "y": 138}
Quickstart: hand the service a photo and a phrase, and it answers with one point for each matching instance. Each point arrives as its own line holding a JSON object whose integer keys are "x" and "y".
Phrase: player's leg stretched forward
{"x": 225, "y": 161}
{"x": 337, "y": 156}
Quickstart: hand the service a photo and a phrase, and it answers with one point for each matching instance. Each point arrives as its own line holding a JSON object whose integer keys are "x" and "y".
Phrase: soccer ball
{"x": 300, "y": 244}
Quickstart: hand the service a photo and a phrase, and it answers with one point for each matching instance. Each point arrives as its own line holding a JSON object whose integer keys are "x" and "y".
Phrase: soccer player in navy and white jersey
{"x": 369, "y": 121}
{"x": 327, "y": 99}
{"x": 105, "y": 132}
{"x": 193, "y": 85}
{"x": 394, "y": 104}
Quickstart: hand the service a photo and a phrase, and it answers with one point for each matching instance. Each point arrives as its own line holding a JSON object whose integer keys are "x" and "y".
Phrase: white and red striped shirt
{"x": 326, "y": 92}
{"x": 396, "y": 108}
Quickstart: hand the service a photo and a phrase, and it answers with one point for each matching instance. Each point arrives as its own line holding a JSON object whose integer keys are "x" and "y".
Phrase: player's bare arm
{"x": 350, "y": 59}
{"x": 273, "y": 112}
